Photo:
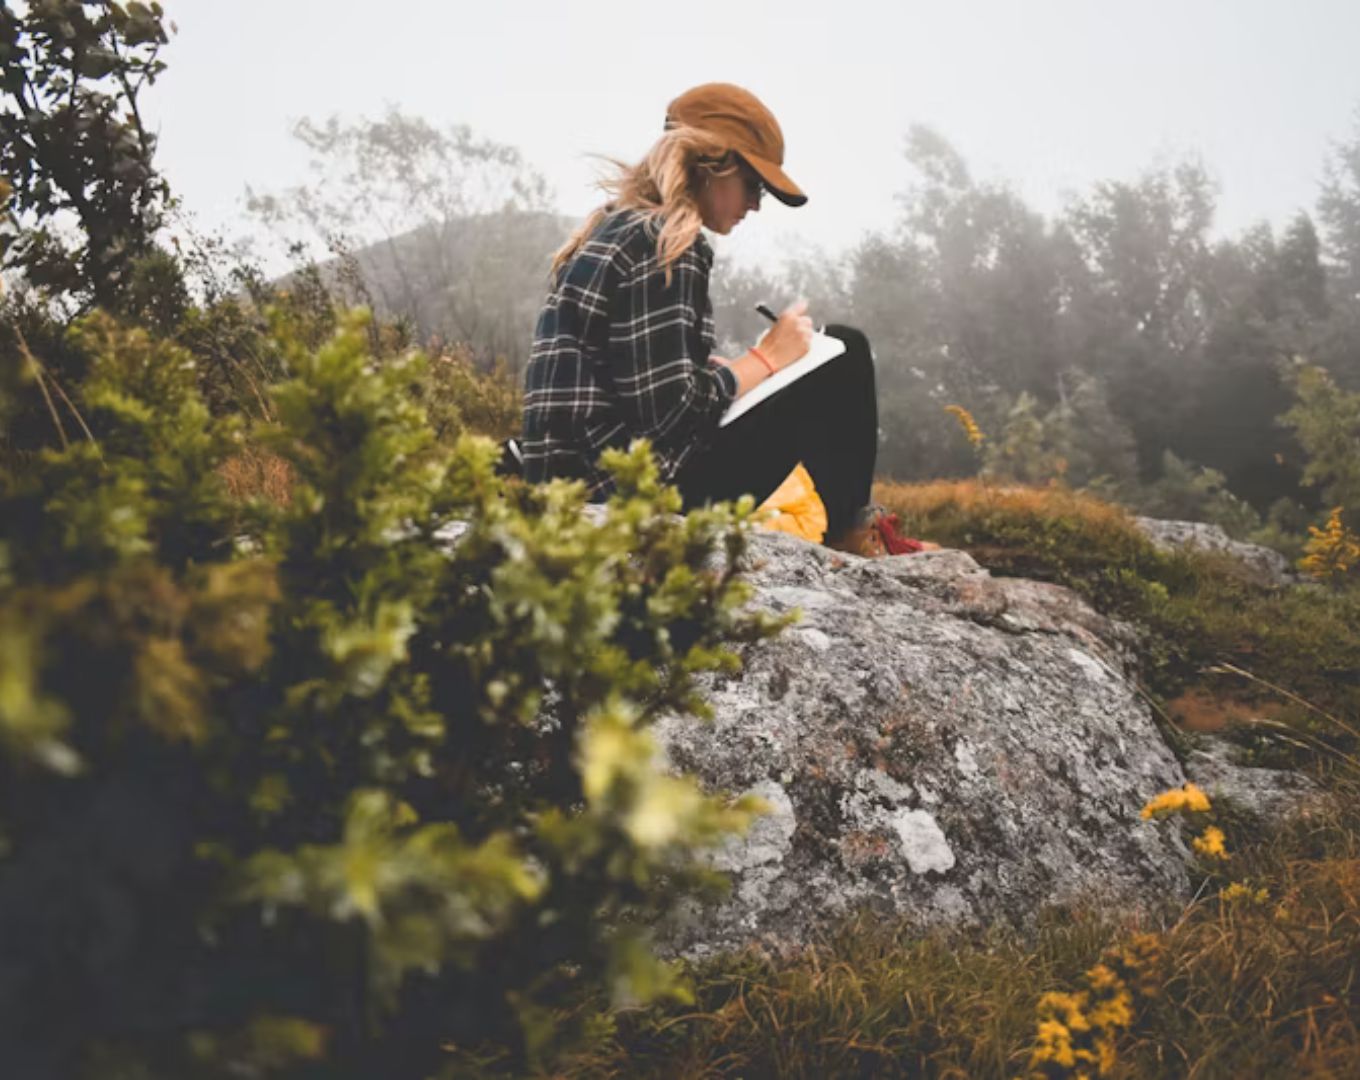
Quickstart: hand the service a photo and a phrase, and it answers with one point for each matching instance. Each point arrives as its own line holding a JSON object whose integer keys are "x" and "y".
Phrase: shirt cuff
{"x": 727, "y": 379}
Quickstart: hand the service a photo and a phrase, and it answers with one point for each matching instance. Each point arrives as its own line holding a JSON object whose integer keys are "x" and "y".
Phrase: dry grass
{"x": 872, "y": 1000}
{"x": 949, "y": 504}
{"x": 257, "y": 474}
{"x": 1268, "y": 983}
{"x": 1051, "y": 533}
{"x": 1199, "y": 709}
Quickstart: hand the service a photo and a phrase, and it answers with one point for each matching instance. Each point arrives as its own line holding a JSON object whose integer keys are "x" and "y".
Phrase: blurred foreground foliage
{"x": 324, "y": 751}
{"x": 355, "y": 782}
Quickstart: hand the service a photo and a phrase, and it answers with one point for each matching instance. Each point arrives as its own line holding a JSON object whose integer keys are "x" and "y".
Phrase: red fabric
{"x": 895, "y": 542}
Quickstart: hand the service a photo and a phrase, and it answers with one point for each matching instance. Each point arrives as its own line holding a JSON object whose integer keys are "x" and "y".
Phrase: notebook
{"x": 823, "y": 348}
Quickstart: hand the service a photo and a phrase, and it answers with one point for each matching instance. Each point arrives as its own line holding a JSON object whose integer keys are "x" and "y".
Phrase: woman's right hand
{"x": 790, "y": 337}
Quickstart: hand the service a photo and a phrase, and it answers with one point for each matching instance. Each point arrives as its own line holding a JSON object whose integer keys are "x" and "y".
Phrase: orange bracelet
{"x": 765, "y": 360}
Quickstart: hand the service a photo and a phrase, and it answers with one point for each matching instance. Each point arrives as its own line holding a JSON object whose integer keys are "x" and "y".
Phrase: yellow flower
{"x": 1210, "y": 843}
{"x": 1138, "y": 962}
{"x": 1333, "y": 551}
{"x": 1113, "y": 1012}
{"x": 1076, "y": 1033}
{"x": 1107, "y": 1055}
{"x": 1188, "y": 799}
{"x": 1053, "y": 1043}
{"x": 1067, "y": 1007}
{"x": 965, "y": 419}
{"x": 1239, "y": 893}
{"x": 1102, "y": 978}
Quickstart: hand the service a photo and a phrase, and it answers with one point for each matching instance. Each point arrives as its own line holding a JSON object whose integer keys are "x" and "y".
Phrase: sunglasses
{"x": 755, "y": 186}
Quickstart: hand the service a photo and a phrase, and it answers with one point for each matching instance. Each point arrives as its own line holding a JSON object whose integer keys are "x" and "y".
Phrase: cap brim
{"x": 776, "y": 180}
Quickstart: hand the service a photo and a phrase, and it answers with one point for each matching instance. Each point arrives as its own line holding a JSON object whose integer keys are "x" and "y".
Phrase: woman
{"x": 623, "y": 347}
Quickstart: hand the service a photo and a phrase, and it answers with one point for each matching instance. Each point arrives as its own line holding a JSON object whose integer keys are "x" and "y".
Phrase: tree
{"x": 1326, "y": 421}
{"x": 451, "y": 233}
{"x": 1023, "y": 452}
{"x": 960, "y": 304}
{"x": 990, "y": 259}
{"x": 1096, "y": 446}
{"x": 1142, "y": 317}
{"x": 1269, "y": 303}
{"x": 75, "y": 149}
{"x": 1339, "y": 209}
{"x": 1302, "y": 277}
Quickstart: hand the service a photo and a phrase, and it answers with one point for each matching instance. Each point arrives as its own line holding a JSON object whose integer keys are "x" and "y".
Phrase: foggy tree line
{"x": 1091, "y": 345}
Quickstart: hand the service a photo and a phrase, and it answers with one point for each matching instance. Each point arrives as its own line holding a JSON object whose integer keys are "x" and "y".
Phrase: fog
{"x": 1048, "y": 96}
{"x": 1109, "y": 232}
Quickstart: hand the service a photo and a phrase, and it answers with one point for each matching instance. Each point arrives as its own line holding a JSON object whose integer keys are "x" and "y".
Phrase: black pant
{"x": 828, "y": 420}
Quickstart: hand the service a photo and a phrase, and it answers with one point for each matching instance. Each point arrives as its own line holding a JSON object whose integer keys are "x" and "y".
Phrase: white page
{"x": 822, "y": 349}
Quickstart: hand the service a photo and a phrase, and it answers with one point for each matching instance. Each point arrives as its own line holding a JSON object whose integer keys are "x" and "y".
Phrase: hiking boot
{"x": 874, "y": 533}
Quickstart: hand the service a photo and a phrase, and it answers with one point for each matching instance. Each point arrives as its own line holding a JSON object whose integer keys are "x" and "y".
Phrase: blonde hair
{"x": 662, "y": 185}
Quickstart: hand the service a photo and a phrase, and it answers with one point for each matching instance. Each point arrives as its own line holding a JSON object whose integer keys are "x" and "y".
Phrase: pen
{"x": 764, "y": 309}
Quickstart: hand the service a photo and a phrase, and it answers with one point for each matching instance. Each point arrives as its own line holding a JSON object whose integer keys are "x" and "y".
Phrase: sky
{"x": 1050, "y": 96}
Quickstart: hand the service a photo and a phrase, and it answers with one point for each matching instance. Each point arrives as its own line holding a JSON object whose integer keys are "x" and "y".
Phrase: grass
{"x": 1260, "y": 980}
{"x": 868, "y": 1001}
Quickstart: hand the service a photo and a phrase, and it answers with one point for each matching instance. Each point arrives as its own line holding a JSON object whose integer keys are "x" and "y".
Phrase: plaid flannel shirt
{"x": 619, "y": 354}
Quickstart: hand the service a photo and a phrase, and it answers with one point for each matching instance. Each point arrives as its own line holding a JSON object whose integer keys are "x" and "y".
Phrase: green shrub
{"x": 1285, "y": 528}
{"x": 309, "y": 787}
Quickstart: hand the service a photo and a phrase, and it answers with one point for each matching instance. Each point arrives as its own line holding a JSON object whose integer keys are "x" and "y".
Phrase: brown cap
{"x": 742, "y": 123}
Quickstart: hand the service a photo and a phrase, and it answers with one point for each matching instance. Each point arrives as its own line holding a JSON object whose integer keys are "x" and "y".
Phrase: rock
{"x": 1269, "y": 795}
{"x": 934, "y": 743}
{"x": 1268, "y": 564}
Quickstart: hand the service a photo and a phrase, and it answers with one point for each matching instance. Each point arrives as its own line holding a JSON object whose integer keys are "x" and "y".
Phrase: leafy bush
{"x": 353, "y": 784}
